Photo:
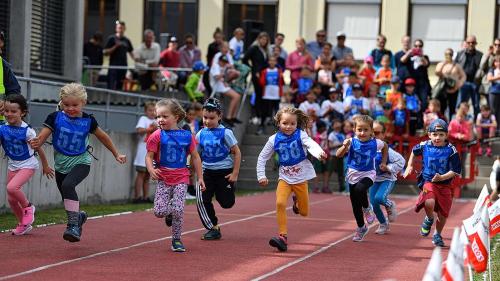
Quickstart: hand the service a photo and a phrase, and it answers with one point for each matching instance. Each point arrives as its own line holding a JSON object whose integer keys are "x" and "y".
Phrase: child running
{"x": 70, "y": 129}
{"x": 220, "y": 172}
{"x": 440, "y": 164}
{"x": 168, "y": 148}
{"x": 361, "y": 152}
{"x": 22, "y": 163}
{"x": 384, "y": 182}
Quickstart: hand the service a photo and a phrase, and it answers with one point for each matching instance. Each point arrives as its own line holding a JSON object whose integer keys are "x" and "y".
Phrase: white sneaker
{"x": 392, "y": 212}
{"x": 383, "y": 228}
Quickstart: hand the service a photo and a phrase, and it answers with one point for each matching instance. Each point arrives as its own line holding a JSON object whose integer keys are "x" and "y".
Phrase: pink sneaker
{"x": 22, "y": 229}
{"x": 369, "y": 216}
{"x": 488, "y": 151}
{"x": 28, "y": 215}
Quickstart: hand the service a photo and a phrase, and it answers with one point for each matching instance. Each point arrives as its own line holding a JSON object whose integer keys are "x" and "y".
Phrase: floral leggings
{"x": 169, "y": 199}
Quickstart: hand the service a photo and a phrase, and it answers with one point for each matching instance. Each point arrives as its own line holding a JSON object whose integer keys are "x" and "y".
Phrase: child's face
{"x": 394, "y": 86}
{"x": 485, "y": 113}
{"x": 438, "y": 138}
{"x": 288, "y": 123}
{"x": 409, "y": 89}
{"x": 276, "y": 52}
{"x": 333, "y": 96}
{"x": 372, "y": 92}
{"x": 13, "y": 113}
{"x": 433, "y": 107}
{"x": 311, "y": 97}
{"x": 347, "y": 127}
{"x": 316, "y": 91}
{"x": 305, "y": 72}
{"x": 272, "y": 62}
{"x": 352, "y": 79}
{"x": 211, "y": 119}
{"x": 496, "y": 63}
{"x": 378, "y": 131}
{"x": 337, "y": 126}
{"x": 384, "y": 62}
{"x": 150, "y": 112}
{"x": 363, "y": 131}
{"x": 190, "y": 115}
{"x": 321, "y": 129}
{"x": 165, "y": 118}
{"x": 199, "y": 113}
{"x": 357, "y": 93}
{"x": 400, "y": 105}
{"x": 73, "y": 106}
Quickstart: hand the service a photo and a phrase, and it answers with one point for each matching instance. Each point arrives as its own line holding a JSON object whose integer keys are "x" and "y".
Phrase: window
{"x": 100, "y": 15}
{"x": 360, "y": 20}
{"x": 440, "y": 24}
{"x": 47, "y": 39}
{"x": 177, "y": 18}
{"x": 4, "y": 25}
{"x": 252, "y": 16}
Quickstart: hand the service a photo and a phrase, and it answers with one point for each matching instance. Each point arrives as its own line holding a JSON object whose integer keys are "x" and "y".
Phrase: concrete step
{"x": 251, "y": 172}
{"x": 252, "y": 139}
{"x": 268, "y": 130}
{"x": 251, "y": 149}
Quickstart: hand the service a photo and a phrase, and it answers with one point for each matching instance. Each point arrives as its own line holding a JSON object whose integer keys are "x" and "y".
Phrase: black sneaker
{"x": 72, "y": 233}
{"x": 177, "y": 246}
{"x": 168, "y": 220}
{"x": 82, "y": 218}
{"x": 212, "y": 234}
{"x": 295, "y": 207}
{"x": 236, "y": 121}
{"x": 279, "y": 242}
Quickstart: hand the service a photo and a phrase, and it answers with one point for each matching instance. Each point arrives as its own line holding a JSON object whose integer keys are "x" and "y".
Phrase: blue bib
{"x": 174, "y": 145}
{"x": 399, "y": 118}
{"x": 348, "y": 92}
{"x": 377, "y": 113}
{"x": 304, "y": 85}
{"x": 435, "y": 160}
{"x": 289, "y": 148}
{"x": 412, "y": 103}
{"x": 361, "y": 155}
{"x": 214, "y": 148}
{"x": 237, "y": 52}
{"x": 13, "y": 139}
{"x": 70, "y": 134}
{"x": 272, "y": 78}
{"x": 356, "y": 105}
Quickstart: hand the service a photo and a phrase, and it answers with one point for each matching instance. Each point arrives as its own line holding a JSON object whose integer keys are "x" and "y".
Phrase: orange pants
{"x": 283, "y": 193}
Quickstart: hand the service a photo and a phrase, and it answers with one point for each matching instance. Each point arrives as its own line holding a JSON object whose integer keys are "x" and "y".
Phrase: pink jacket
{"x": 295, "y": 61}
{"x": 460, "y": 127}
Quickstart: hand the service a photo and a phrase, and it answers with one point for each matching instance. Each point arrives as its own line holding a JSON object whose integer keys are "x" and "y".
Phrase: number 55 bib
{"x": 13, "y": 140}
{"x": 289, "y": 148}
{"x": 70, "y": 134}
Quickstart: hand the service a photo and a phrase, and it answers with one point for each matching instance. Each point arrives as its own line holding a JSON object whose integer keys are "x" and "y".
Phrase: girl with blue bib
{"x": 216, "y": 143}
{"x": 291, "y": 143}
{"x": 70, "y": 129}
{"x": 15, "y": 137}
{"x": 166, "y": 161}
{"x": 384, "y": 182}
{"x": 361, "y": 152}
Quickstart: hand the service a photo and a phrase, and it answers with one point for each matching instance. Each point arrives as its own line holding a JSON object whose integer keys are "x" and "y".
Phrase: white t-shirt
{"x": 334, "y": 138}
{"x": 294, "y": 174}
{"x": 306, "y": 107}
{"x": 354, "y": 176}
{"x": 237, "y": 47}
{"x": 355, "y": 104}
{"x": 30, "y": 163}
{"x": 215, "y": 60}
{"x": 272, "y": 92}
{"x": 216, "y": 84}
{"x": 335, "y": 105}
{"x": 140, "y": 157}
{"x": 325, "y": 76}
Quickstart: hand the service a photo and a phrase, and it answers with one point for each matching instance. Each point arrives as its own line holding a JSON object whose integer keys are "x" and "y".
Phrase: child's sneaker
{"x": 212, "y": 234}
{"x": 168, "y": 220}
{"x": 360, "y": 234}
{"x": 488, "y": 151}
{"x": 21, "y": 229}
{"x": 82, "y": 218}
{"x": 369, "y": 216}
{"x": 279, "y": 242}
{"x": 295, "y": 206}
{"x": 383, "y": 228}
{"x": 72, "y": 233}
{"x": 437, "y": 240}
{"x": 28, "y": 215}
{"x": 177, "y": 246}
{"x": 391, "y": 211}
{"x": 426, "y": 226}
{"x": 480, "y": 151}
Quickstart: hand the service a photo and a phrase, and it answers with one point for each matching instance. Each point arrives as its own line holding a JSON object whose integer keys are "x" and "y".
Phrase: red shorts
{"x": 441, "y": 193}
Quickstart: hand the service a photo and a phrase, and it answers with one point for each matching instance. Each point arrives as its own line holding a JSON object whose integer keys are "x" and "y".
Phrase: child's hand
{"x": 232, "y": 177}
{"x": 408, "y": 171}
{"x": 323, "y": 156}
{"x": 347, "y": 142}
{"x": 48, "y": 172}
{"x": 263, "y": 182}
{"x": 121, "y": 158}
{"x": 154, "y": 173}
{"x": 201, "y": 183}
{"x": 383, "y": 167}
{"x": 34, "y": 143}
{"x": 437, "y": 178}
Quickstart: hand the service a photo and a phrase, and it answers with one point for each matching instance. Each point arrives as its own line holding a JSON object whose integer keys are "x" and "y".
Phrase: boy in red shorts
{"x": 440, "y": 164}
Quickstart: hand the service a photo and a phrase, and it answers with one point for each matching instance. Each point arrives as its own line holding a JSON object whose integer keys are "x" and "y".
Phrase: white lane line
{"x": 37, "y": 269}
{"x": 319, "y": 251}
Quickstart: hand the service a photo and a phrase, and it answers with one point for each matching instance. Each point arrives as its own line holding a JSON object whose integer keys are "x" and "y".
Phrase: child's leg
{"x": 302, "y": 193}
{"x": 224, "y": 191}
{"x": 340, "y": 173}
{"x": 359, "y": 199}
{"x": 282, "y": 193}
{"x": 145, "y": 185}
{"x": 492, "y": 131}
{"x": 67, "y": 184}
{"x": 163, "y": 196}
{"x": 204, "y": 204}
{"x": 375, "y": 200}
{"x": 233, "y": 104}
{"x": 326, "y": 177}
{"x": 17, "y": 199}
{"x": 177, "y": 209}
{"x": 139, "y": 181}
{"x": 380, "y": 198}
{"x": 440, "y": 223}
{"x": 429, "y": 208}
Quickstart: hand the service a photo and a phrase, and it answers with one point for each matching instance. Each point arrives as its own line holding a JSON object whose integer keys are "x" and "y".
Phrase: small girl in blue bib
{"x": 361, "y": 152}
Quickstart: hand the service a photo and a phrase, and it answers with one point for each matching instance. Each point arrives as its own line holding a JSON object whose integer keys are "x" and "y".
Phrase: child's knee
{"x": 280, "y": 204}
{"x": 378, "y": 200}
{"x": 11, "y": 189}
{"x": 227, "y": 204}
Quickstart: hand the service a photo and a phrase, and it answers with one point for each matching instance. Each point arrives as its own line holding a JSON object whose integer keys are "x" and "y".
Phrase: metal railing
{"x": 137, "y": 67}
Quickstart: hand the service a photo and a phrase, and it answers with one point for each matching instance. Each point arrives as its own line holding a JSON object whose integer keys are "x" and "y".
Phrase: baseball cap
{"x": 341, "y": 34}
{"x": 387, "y": 105}
{"x": 438, "y": 125}
{"x": 199, "y": 65}
{"x": 213, "y": 104}
{"x": 395, "y": 80}
{"x": 173, "y": 39}
{"x": 410, "y": 81}
{"x": 333, "y": 90}
{"x": 369, "y": 59}
{"x": 356, "y": 86}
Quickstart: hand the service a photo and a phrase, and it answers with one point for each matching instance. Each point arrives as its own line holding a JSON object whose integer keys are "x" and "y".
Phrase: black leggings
{"x": 66, "y": 183}
{"x": 359, "y": 199}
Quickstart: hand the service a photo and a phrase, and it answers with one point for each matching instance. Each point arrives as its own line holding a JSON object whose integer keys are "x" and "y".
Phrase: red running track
{"x": 137, "y": 246}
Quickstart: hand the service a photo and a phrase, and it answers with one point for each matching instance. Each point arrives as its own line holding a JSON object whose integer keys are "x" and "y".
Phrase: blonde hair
{"x": 359, "y": 118}
{"x": 149, "y": 104}
{"x": 73, "y": 90}
{"x": 174, "y": 107}
{"x": 302, "y": 118}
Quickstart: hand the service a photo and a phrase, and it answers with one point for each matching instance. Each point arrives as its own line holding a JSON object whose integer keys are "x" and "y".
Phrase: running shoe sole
{"x": 362, "y": 237}
{"x": 278, "y": 243}
{"x": 26, "y": 230}
{"x": 177, "y": 250}
{"x": 71, "y": 238}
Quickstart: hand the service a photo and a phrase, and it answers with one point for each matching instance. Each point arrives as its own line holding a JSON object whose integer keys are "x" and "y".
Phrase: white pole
{"x": 471, "y": 277}
{"x": 489, "y": 258}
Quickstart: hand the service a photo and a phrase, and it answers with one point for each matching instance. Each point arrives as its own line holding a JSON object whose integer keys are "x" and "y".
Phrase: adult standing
{"x": 298, "y": 59}
{"x": 170, "y": 57}
{"x": 402, "y": 67}
{"x": 92, "y": 50}
{"x": 380, "y": 51}
{"x": 189, "y": 54}
{"x": 341, "y": 50}
{"x": 418, "y": 64}
{"x": 147, "y": 55}
{"x": 213, "y": 48}
{"x": 278, "y": 42}
{"x": 315, "y": 47}
{"x": 256, "y": 57}
{"x": 487, "y": 64}
{"x": 453, "y": 77}
{"x": 470, "y": 59}
{"x": 117, "y": 47}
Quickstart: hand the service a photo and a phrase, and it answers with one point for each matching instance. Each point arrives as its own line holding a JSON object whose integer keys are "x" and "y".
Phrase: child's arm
{"x": 344, "y": 148}
{"x": 396, "y": 162}
{"x": 190, "y": 86}
{"x": 233, "y": 177}
{"x": 385, "y": 155}
{"x": 39, "y": 140}
{"x": 195, "y": 158}
{"x": 155, "y": 173}
{"x": 108, "y": 143}
{"x": 437, "y": 177}
{"x": 314, "y": 148}
{"x": 409, "y": 167}
{"x": 264, "y": 155}
{"x": 46, "y": 169}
